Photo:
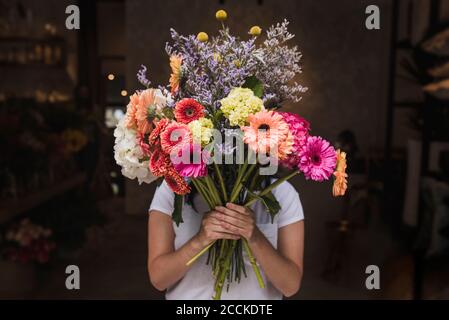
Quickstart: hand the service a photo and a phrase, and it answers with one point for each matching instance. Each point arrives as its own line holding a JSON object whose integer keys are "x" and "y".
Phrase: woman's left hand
{"x": 238, "y": 220}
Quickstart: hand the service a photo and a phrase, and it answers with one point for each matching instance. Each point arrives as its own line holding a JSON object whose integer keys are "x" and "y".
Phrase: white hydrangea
{"x": 129, "y": 156}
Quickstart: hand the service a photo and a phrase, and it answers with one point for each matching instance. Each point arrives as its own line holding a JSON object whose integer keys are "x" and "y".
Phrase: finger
{"x": 214, "y": 220}
{"x": 237, "y": 208}
{"x": 239, "y": 223}
{"x": 221, "y": 229}
{"x": 224, "y": 235}
{"x": 231, "y": 228}
{"x": 229, "y": 212}
{"x": 221, "y": 216}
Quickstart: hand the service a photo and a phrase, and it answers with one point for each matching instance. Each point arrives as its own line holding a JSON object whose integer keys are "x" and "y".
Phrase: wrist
{"x": 256, "y": 237}
{"x": 199, "y": 242}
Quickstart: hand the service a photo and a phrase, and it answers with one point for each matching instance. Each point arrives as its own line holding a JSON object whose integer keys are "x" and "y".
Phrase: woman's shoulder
{"x": 163, "y": 199}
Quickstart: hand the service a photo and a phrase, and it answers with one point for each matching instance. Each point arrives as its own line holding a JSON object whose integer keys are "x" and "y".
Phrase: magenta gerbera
{"x": 317, "y": 159}
{"x": 299, "y": 128}
{"x": 191, "y": 161}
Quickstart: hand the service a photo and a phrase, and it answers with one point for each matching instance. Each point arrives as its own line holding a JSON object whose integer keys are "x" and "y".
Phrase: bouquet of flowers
{"x": 216, "y": 128}
{"x": 28, "y": 242}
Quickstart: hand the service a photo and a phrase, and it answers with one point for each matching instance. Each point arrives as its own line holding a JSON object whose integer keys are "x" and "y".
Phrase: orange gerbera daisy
{"x": 340, "y": 182}
{"x": 131, "y": 110}
{"x": 146, "y": 99}
{"x": 268, "y": 133}
{"x": 175, "y": 77}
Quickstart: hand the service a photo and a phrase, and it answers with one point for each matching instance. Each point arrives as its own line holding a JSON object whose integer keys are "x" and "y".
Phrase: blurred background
{"x": 381, "y": 95}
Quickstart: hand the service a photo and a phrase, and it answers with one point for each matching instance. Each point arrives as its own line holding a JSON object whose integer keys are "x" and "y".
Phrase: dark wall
{"x": 345, "y": 65}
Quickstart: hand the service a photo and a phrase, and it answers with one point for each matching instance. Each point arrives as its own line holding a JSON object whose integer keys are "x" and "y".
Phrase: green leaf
{"x": 217, "y": 117}
{"x": 177, "y": 212}
{"x": 270, "y": 203}
{"x": 254, "y": 84}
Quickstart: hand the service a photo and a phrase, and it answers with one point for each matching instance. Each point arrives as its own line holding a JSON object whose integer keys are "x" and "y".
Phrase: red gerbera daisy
{"x": 187, "y": 110}
{"x": 154, "y": 135}
{"x": 159, "y": 163}
{"x": 176, "y": 182}
{"x": 175, "y": 136}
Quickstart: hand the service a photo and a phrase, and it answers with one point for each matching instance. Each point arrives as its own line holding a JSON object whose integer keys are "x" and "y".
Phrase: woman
{"x": 278, "y": 246}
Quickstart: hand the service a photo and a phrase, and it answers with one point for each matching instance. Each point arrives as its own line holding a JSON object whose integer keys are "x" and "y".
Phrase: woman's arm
{"x": 166, "y": 265}
{"x": 284, "y": 266}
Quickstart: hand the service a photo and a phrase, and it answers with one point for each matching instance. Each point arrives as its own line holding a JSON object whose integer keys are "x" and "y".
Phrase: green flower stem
{"x": 213, "y": 189}
{"x": 272, "y": 186}
{"x": 199, "y": 254}
{"x": 242, "y": 181}
{"x": 219, "y": 258}
{"x": 242, "y": 169}
{"x": 219, "y": 283}
{"x": 211, "y": 201}
{"x": 220, "y": 179}
{"x": 203, "y": 192}
{"x": 252, "y": 260}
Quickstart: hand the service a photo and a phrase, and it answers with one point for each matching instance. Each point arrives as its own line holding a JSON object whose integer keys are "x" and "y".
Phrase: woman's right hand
{"x": 211, "y": 230}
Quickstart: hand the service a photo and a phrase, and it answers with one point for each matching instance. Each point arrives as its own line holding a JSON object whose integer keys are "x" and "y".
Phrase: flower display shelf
{"x": 11, "y": 208}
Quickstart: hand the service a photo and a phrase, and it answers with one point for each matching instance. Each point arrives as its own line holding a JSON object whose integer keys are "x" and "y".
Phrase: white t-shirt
{"x": 198, "y": 282}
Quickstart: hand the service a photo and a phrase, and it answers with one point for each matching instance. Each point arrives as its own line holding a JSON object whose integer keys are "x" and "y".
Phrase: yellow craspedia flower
{"x": 217, "y": 57}
{"x": 201, "y": 130}
{"x": 237, "y": 63}
{"x": 255, "y": 31}
{"x": 202, "y": 36}
{"x": 221, "y": 15}
{"x": 239, "y": 104}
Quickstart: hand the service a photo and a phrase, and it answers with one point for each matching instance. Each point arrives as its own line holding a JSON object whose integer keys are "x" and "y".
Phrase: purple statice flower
{"x": 210, "y": 70}
{"x": 279, "y": 64}
{"x": 142, "y": 76}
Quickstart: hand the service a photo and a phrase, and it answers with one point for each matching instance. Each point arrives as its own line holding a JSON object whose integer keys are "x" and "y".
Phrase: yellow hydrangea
{"x": 239, "y": 104}
{"x": 201, "y": 130}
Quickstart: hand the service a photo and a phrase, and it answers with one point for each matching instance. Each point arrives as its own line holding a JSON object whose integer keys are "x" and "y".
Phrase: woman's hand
{"x": 237, "y": 220}
{"x": 212, "y": 229}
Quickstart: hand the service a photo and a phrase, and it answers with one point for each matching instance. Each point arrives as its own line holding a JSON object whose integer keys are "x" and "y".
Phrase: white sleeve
{"x": 163, "y": 199}
{"x": 291, "y": 207}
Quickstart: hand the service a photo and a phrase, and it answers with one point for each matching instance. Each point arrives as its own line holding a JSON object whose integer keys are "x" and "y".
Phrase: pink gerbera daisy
{"x": 268, "y": 133}
{"x": 317, "y": 159}
{"x": 175, "y": 136}
{"x": 299, "y": 129}
{"x": 191, "y": 161}
{"x": 187, "y": 110}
